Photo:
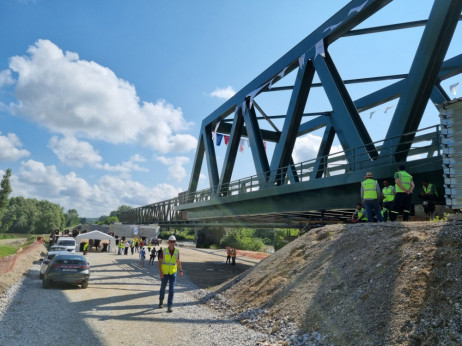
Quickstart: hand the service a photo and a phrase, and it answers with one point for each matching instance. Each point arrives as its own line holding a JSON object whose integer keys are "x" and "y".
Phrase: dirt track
{"x": 120, "y": 304}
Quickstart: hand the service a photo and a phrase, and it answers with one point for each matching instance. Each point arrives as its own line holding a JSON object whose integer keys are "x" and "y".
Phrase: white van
{"x": 67, "y": 242}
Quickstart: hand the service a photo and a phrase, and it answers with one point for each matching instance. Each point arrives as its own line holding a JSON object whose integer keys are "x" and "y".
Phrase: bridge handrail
{"x": 333, "y": 163}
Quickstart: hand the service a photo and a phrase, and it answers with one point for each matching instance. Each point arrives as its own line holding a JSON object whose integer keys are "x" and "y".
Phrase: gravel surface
{"x": 118, "y": 307}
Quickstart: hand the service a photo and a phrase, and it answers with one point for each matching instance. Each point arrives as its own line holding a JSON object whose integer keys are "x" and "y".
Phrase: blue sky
{"x": 101, "y": 102}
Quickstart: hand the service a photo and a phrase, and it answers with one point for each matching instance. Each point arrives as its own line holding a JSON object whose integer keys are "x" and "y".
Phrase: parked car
{"x": 57, "y": 248}
{"x": 67, "y": 268}
{"x": 47, "y": 259}
{"x": 68, "y": 242}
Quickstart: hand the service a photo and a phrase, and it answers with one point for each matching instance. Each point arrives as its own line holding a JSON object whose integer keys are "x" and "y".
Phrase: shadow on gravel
{"x": 23, "y": 323}
{"x": 209, "y": 274}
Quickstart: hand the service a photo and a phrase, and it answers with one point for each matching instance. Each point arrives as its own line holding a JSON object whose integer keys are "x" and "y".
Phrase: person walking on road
{"x": 142, "y": 257}
{"x": 152, "y": 257}
{"x": 370, "y": 192}
{"x": 169, "y": 263}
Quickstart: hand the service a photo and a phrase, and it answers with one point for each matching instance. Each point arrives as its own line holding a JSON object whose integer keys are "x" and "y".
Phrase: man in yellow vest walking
{"x": 404, "y": 185}
{"x": 169, "y": 263}
{"x": 370, "y": 192}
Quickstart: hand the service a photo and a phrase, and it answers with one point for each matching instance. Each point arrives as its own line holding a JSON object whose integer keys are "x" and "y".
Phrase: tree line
{"x": 31, "y": 216}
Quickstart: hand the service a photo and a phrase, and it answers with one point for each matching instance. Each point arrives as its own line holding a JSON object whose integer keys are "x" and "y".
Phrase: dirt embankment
{"x": 14, "y": 267}
{"x": 369, "y": 284}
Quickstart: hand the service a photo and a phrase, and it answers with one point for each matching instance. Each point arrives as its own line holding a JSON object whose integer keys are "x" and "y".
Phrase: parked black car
{"x": 68, "y": 268}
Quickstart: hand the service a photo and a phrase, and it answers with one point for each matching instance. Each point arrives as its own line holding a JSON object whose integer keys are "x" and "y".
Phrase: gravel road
{"x": 118, "y": 308}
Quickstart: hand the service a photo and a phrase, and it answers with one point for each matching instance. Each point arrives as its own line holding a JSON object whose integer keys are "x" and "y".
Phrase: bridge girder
{"x": 239, "y": 118}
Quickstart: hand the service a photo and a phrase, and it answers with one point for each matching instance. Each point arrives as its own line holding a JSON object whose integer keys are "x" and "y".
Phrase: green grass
{"x": 7, "y": 236}
{"x": 6, "y": 250}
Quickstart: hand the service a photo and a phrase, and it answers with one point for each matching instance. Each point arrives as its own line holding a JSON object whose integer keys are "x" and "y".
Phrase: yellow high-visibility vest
{"x": 369, "y": 189}
{"x": 169, "y": 265}
{"x": 405, "y": 181}
{"x": 389, "y": 193}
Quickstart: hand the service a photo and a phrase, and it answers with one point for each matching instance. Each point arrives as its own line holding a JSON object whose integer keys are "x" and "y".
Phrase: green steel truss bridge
{"x": 284, "y": 193}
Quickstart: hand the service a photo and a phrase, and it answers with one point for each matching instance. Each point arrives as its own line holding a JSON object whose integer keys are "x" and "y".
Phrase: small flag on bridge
{"x": 453, "y": 88}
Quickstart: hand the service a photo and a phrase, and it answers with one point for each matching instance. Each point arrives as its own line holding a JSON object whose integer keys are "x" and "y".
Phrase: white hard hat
{"x": 172, "y": 237}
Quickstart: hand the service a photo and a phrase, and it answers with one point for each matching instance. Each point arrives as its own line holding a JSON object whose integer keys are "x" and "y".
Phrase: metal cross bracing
{"x": 284, "y": 188}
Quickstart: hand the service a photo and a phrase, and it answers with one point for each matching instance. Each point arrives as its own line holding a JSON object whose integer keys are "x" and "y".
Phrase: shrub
{"x": 242, "y": 239}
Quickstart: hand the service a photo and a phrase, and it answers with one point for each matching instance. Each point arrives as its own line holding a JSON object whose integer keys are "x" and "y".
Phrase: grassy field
{"x": 10, "y": 243}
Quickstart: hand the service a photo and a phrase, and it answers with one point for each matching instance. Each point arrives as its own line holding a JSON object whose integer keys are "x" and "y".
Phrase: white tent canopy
{"x": 96, "y": 235}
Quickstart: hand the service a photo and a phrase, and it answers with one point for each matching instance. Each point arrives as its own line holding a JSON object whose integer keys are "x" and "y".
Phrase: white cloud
{"x": 307, "y": 147}
{"x": 80, "y": 98}
{"x": 175, "y": 166}
{"x": 72, "y": 192}
{"x": 223, "y": 93}
{"x": 73, "y": 152}
{"x": 10, "y": 148}
{"x": 6, "y": 78}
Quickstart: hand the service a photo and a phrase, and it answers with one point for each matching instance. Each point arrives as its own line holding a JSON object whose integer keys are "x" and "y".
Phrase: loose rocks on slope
{"x": 388, "y": 283}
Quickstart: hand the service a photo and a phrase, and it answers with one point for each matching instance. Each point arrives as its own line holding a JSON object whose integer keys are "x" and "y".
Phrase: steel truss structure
{"x": 280, "y": 187}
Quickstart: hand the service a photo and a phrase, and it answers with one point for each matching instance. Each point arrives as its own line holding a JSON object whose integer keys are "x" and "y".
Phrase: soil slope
{"x": 369, "y": 284}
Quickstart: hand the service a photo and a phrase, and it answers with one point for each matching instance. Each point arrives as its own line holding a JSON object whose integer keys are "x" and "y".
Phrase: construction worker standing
{"x": 233, "y": 254}
{"x": 370, "y": 192}
{"x": 429, "y": 195}
{"x": 404, "y": 186}
{"x": 388, "y": 195}
{"x": 169, "y": 263}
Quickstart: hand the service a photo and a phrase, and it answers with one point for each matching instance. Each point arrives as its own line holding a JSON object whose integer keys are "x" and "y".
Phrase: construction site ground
{"x": 361, "y": 284}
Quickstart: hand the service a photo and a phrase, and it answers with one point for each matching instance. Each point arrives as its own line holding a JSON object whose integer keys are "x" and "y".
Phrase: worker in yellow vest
{"x": 359, "y": 215}
{"x": 429, "y": 195}
{"x": 404, "y": 186}
{"x": 85, "y": 249}
{"x": 370, "y": 192}
{"x": 169, "y": 263}
{"x": 388, "y": 195}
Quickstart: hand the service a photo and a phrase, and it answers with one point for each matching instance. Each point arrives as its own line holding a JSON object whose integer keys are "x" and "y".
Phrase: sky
{"x": 101, "y": 101}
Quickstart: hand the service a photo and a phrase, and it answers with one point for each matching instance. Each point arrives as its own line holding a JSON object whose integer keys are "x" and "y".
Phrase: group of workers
{"x": 387, "y": 203}
{"x": 231, "y": 254}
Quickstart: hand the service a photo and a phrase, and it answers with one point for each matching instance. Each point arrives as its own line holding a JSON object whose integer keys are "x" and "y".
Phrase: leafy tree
{"x": 21, "y": 215}
{"x": 51, "y": 216}
{"x": 242, "y": 239}
{"x": 121, "y": 209}
{"x": 5, "y": 189}
{"x": 111, "y": 219}
{"x": 72, "y": 218}
{"x": 102, "y": 220}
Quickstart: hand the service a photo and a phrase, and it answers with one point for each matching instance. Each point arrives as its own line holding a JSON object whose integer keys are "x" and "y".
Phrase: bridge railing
{"x": 424, "y": 142}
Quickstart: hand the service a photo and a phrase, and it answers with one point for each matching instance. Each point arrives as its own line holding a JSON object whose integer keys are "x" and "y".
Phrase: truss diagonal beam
{"x": 422, "y": 76}
{"x": 256, "y": 142}
{"x": 231, "y": 151}
{"x": 345, "y": 119}
{"x": 283, "y": 150}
